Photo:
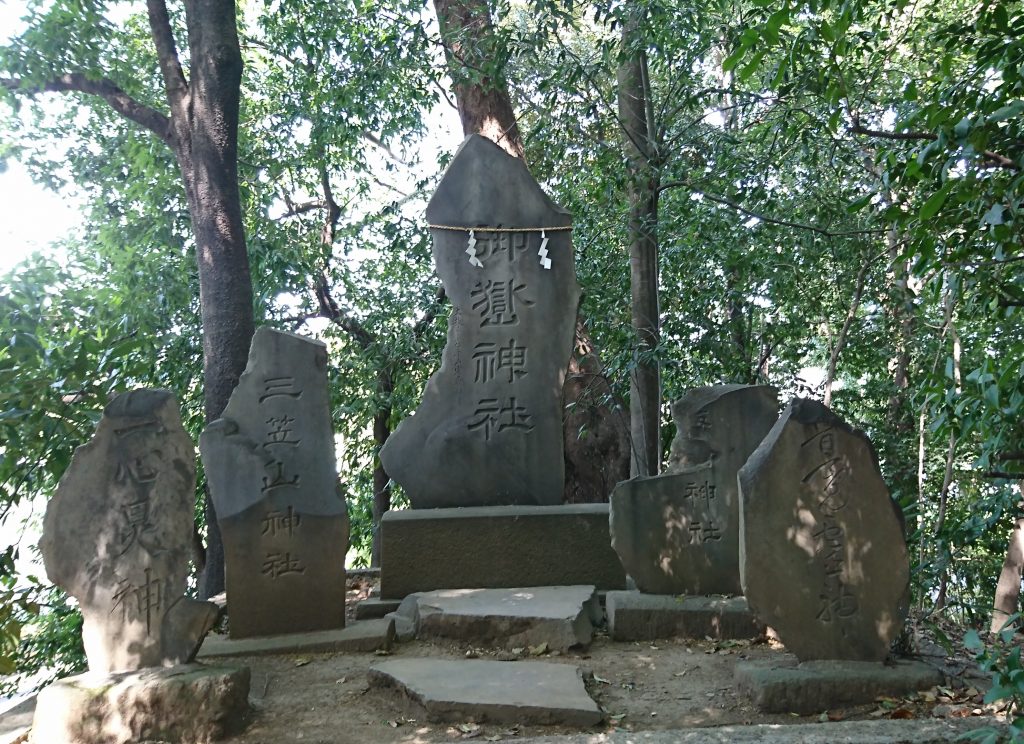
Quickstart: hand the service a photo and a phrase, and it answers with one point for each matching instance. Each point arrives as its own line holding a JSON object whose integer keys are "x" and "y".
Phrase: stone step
{"x": 360, "y": 636}
{"x": 559, "y": 616}
{"x": 634, "y": 616}
{"x": 526, "y": 692}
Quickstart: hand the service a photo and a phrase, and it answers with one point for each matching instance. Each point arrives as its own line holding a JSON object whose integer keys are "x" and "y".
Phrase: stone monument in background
{"x": 823, "y": 556}
{"x": 270, "y": 464}
{"x": 489, "y": 429}
{"x": 678, "y": 533}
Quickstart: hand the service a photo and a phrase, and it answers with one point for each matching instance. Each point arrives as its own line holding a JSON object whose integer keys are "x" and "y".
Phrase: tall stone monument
{"x": 117, "y": 537}
{"x": 270, "y": 463}
{"x": 678, "y": 533}
{"x": 489, "y": 429}
{"x": 823, "y": 556}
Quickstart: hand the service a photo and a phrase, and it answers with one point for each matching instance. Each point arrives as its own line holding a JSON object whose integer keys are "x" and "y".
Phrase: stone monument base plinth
{"x": 816, "y": 686}
{"x": 634, "y": 616}
{"x": 188, "y": 703}
{"x": 497, "y": 547}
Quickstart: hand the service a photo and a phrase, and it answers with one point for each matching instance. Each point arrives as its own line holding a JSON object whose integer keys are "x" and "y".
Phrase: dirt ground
{"x": 325, "y": 698}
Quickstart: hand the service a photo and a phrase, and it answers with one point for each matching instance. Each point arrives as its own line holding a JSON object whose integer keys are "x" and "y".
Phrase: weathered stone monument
{"x": 678, "y": 533}
{"x": 823, "y": 562}
{"x": 270, "y": 463}
{"x": 117, "y": 537}
{"x": 824, "y": 559}
{"x": 482, "y": 458}
{"x": 489, "y": 429}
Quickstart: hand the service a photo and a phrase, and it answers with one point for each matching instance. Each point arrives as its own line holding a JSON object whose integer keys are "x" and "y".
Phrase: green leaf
{"x": 931, "y": 207}
{"x": 1006, "y": 112}
{"x": 994, "y": 216}
{"x": 972, "y": 641}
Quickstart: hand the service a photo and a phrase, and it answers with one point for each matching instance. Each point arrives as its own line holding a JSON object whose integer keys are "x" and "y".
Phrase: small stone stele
{"x": 489, "y": 429}
{"x": 823, "y": 557}
{"x": 117, "y": 537}
{"x": 678, "y": 533}
{"x": 270, "y": 464}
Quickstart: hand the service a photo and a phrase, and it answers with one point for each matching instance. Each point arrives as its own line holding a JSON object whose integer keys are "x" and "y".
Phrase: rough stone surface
{"x": 372, "y": 607}
{"x": 16, "y": 720}
{"x": 358, "y": 637}
{"x": 678, "y": 533}
{"x": 823, "y": 555}
{"x": 559, "y": 616}
{"x": 189, "y": 704}
{"x": 117, "y": 536}
{"x": 489, "y": 428}
{"x": 494, "y": 691}
{"x": 495, "y": 547}
{"x": 847, "y": 732}
{"x": 270, "y": 463}
{"x": 633, "y": 616}
{"x": 814, "y": 686}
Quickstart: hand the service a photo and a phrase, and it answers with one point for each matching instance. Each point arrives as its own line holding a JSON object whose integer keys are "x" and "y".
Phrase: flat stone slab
{"x": 848, "y": 732}
{"x": 186, "y": 703}
{"x": 493, "y": 547}
{"x": 494, "y": 691}
{"x": 362, "y": 636}
{"x": 16, "y": 720}
{"x": 633, "y": 616}
{"x": 375, "y": 607}
{"x": 559, "y": 616}
{"x": 814, "y": 686}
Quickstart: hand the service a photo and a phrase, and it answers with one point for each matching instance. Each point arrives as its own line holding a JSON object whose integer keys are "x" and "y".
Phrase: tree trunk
{"x": 1008, "y": 588}
{"x": 381, "y": 480}
{"x": 645, "y": 380}
{"x": 481, "y": 92}
{"x": 210, "y": 169}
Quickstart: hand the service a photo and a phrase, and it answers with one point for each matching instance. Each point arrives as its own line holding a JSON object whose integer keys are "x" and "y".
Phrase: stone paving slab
{"x": 491, "y": 691}
{"x": 848, "y": 732}
{"x": 634, "y": 616}
{"x": 559, "y": 616}
{"x": 814, "y": 686}
{"x": 361, "y": 636}
{"x": 374, "y": 607}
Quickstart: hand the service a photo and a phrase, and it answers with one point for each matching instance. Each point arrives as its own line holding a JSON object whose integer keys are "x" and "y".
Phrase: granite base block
{"x": 633, "y": 616}
{"x": 375, "y": 607}
{"x": 492, "y": 547}
{"x": 188, "y": 703}
{"x": 816, "y": 686}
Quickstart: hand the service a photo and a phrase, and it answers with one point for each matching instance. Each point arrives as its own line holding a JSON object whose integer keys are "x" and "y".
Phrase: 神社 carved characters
{"x": 489, "y": 428}
{"x": 117, "y": 537}
{"x": 824, "y": 559}
{"x": 270, "y": 463}
{"x": 679, "y": 532}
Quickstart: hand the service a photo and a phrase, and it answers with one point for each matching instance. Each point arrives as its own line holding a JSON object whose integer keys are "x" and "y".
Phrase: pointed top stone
{"x": 476, "y": 188}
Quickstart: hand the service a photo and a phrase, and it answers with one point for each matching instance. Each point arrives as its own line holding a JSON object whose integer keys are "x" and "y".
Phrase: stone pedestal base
{"x": 188, "y": 704}
{"x": 492, "y": 547}
{"x": 815, "y": 686}
{"x": 633, "y": 616}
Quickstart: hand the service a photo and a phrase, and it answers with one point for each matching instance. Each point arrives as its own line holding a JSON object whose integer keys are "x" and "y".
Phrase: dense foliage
{"x": 839, "y": 185}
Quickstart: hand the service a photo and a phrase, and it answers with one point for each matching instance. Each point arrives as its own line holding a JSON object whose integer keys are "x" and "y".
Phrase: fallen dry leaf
{"x": 902, "y": 714}
{"x": 539, "y": 649}
{"x": 302, "y": 661}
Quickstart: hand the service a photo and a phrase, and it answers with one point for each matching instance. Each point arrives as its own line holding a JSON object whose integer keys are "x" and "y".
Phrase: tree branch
{"x": 993, "y": 157}
{"x": 167, "y": 55}
{"x": 109, "y": 91}
{"x": 763, "y": 217}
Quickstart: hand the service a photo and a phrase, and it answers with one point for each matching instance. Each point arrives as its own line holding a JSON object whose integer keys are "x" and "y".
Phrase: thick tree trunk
{"x": 210, "y": 169}
{"x": 481, "y": 92}
{"x": 1008, "y": 588}
{"x": 645, "y": 381}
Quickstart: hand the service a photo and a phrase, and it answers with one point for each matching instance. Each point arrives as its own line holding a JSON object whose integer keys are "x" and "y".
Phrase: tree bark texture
{"x": 204, "y": 127}
{"x": 1008, "y": 587}
{"x": 645, "y": 381}
{"x": 481, "y": 92}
